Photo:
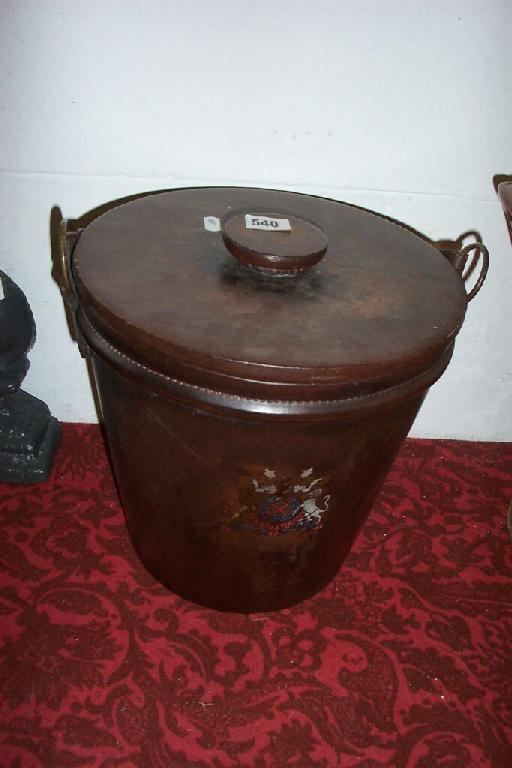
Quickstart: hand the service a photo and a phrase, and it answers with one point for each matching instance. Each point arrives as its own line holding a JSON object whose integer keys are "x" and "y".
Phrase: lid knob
{"x": 279, "y": 244}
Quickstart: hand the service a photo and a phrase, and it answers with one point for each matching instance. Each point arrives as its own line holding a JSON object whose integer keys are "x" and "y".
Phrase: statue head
{"x": 17, "y": 335}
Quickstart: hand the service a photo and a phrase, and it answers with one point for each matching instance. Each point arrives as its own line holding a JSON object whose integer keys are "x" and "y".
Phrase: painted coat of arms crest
{"x": 273, "y": 503}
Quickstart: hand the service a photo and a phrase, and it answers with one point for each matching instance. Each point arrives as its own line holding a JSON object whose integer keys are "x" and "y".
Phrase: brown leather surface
{"x": 195, "y": 488}
{"x": 381, "y": 305}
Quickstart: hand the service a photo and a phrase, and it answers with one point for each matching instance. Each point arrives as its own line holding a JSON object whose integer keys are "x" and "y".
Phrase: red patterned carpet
{"x": 404, "y": 661}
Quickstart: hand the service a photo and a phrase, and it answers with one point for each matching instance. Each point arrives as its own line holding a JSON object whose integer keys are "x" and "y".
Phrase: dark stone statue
{"x": 29, "y": 434}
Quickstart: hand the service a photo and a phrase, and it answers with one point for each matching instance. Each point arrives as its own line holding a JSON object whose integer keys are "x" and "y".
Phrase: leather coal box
{"x": 259, "y": 357}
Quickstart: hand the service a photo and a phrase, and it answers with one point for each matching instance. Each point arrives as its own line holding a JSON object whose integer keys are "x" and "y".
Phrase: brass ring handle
{"x": 67, "y": 240}
{"x": 461, "y": 261}
{"x": 65, "y": 282}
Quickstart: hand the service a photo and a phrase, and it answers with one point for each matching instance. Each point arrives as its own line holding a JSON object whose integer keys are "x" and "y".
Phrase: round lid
{"x": 267, "y": 286}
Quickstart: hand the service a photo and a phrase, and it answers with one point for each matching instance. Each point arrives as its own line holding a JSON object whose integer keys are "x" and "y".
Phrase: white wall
{"x": 403, "y": 106}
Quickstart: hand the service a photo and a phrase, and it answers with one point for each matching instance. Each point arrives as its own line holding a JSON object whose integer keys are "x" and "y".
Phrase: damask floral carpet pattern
{"x": 405, "y": 660}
